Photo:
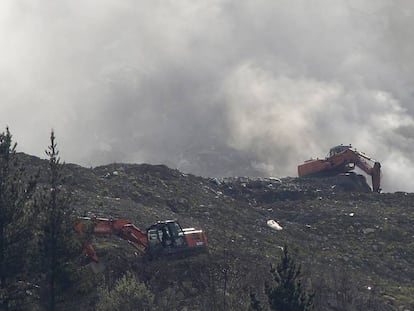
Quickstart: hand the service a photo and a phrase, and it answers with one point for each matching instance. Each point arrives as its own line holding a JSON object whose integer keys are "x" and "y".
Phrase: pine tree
{"x": 58, "y": 243}
{"x": 288, "y": 294}
{"x": 15, "y": 211}
{"x": 128, "y": 294}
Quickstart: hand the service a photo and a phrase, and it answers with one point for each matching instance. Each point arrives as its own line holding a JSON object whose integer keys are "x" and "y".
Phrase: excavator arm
{"x": 105, "y": 226}
{"x": 350, "y": 158}
{"x": 364, "y": 163}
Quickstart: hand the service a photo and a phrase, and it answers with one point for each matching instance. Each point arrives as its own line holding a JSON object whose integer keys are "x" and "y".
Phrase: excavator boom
{"x": 105, "y": 226}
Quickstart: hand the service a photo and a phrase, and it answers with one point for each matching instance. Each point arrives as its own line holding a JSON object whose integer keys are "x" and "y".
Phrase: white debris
{"x": 351, "y": 214}
{"x": 274, "y": 225}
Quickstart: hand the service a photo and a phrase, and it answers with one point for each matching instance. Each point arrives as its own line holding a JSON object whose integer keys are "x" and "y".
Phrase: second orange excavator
{"x": 342, "y": 159}
{"x": 160, "y": 239}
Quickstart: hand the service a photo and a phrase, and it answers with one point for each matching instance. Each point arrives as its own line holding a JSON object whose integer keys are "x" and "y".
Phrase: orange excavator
{"x": 160, "y": 239}
{"x": 342, "y": 159}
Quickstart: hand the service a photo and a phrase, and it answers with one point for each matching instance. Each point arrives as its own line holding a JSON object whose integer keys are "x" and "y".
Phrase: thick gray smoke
{"x": 214, "y": 88}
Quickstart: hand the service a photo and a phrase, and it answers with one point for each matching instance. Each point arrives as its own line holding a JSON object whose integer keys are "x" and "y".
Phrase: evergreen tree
{"x": 288, "y": 294}
{"x": 58, "y": 243}
{"x": 15, "y": 207}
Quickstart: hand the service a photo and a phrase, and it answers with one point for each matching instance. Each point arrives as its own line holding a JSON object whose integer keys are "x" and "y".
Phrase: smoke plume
{"x": 214, "y": 88}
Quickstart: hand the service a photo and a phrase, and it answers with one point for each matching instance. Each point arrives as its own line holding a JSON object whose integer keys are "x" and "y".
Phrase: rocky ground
{"x": 356, "y": 248}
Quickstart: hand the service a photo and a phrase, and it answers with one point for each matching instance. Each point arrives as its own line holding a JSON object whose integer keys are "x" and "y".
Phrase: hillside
{"x": 356, "y": 248}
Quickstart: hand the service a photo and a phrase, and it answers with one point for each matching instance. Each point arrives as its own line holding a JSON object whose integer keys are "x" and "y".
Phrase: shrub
{"x": 128, "y": 294}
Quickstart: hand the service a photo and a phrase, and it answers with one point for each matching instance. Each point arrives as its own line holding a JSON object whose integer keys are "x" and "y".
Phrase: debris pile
{"x": 267, "y": 190}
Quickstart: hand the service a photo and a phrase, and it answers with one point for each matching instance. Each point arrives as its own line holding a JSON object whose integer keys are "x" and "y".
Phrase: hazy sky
{"x": 215, "y": 88}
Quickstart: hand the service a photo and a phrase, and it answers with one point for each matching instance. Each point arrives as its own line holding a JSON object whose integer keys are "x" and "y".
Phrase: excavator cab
{"x": 166, "y": 237}
{"x": 338, "y": 149}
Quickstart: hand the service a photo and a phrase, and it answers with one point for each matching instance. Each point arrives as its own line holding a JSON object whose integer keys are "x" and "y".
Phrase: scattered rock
{"x": 368, "y": 230}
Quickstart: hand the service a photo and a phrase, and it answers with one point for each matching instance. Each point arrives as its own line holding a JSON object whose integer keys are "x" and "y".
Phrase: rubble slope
{"x": 350, "y": 242}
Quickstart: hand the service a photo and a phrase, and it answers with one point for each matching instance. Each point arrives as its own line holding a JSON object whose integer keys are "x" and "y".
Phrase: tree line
{"x": 38, "y": 246}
